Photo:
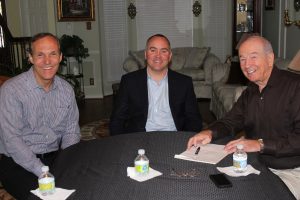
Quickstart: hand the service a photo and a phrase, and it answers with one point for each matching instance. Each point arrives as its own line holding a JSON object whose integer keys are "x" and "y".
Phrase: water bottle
{"x": 141, "y": 163}
{"x": 46, "y": 182}
{"x": 240, "y": 159}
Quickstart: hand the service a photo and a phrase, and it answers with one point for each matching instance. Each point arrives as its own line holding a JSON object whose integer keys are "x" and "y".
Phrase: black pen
{"x": 197, "y": 151}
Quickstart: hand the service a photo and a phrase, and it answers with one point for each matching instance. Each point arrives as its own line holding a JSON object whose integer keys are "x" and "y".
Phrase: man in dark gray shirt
{"x": 268, "y": 111}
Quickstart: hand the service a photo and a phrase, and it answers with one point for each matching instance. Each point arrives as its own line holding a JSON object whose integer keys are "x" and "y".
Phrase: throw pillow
{"x": 236, "y": 75}
{"x": 178, "y": 60}
{"x": 139, "y": 56}
{"x": 196, "y": 57}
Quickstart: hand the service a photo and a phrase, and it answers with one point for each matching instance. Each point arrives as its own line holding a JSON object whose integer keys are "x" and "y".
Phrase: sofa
{"x": 228, "y": 85}
{"x": 192, "y": 61}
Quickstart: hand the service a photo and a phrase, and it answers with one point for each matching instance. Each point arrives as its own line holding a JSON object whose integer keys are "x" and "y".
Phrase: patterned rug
{"x": 99, "y": 129}
{"x": 95, "y": 130}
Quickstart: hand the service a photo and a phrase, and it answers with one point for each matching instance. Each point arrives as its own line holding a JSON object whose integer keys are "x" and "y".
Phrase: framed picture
{"x": 269, "y": 4}
{"x": 75, "y": 10}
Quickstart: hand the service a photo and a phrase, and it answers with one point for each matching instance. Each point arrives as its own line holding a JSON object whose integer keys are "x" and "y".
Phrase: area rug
{"x": 95, "y": 130}
{"x": 100, "y": 129}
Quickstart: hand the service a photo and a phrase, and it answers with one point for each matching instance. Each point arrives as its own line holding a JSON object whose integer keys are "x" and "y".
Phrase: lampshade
{"x": 295, "y": 63}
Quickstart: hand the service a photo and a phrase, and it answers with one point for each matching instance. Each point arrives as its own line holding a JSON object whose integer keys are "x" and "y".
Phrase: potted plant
{"x": 72, "y": 46}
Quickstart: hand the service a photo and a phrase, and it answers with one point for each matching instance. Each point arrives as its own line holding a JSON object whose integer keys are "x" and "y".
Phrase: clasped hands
{"x": 205, "y": 137}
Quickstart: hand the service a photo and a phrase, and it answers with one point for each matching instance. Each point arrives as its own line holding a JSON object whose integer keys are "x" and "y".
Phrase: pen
{"x": 197, "y": 151}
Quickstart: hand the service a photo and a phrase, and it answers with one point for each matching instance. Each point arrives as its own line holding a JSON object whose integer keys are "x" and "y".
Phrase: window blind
{"x": 115, "y": 37}
{"x": 173, "y": 18}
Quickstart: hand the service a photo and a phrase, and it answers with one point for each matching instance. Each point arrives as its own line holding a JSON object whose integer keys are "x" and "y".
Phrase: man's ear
{"x": 171, "y": 54}
{"x": 30, "y": 59}
{"x": 270, "y": 59}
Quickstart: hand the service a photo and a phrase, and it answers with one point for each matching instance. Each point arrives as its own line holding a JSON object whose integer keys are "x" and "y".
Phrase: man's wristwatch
{"x": 261, "y": 143}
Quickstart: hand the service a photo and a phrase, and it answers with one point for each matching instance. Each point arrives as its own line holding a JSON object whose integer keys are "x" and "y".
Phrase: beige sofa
{"x": 224, "y": 95}
{"x": 192, "y": 61}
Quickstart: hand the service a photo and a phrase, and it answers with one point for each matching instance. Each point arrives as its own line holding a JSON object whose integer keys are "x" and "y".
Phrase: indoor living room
{"x": 113, "y": 31}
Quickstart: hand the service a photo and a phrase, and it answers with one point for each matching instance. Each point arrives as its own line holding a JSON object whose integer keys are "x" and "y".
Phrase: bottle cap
{"x": 239, "y": 146}
{"x": 141, "y": 151}
{"x": 45, "y": 169}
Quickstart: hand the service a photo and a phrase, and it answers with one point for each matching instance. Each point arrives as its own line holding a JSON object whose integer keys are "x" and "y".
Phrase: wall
{"x": 13, "y": 17}
{"x": 283, "y": 38}
{"x": 91, "y": 38}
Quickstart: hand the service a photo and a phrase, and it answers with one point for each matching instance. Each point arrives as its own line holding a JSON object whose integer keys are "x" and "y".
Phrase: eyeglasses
{"x": 185, "y": 173}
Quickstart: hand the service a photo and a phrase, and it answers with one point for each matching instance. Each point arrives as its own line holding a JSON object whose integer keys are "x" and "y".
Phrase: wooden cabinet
{"x": 246, "y": 19}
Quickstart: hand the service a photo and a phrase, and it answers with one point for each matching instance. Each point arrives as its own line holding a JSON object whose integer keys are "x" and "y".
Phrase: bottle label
{"x": 142, "y": 167}
{"x": 46, "y": 184}
{"x": 240, "y": 163}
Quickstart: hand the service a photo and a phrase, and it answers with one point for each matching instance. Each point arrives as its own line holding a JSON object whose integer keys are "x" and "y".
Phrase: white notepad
{"x": 209, "y": 153}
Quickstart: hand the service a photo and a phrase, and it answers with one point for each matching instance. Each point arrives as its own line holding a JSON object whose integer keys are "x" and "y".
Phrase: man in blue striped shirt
{"x": 38, "y": 116}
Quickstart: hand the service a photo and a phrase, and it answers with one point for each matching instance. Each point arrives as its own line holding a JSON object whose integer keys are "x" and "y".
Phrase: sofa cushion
{"x": 196, "y": 57}
{"x": 178, "y": 59}
{"x": 195, "y": 73}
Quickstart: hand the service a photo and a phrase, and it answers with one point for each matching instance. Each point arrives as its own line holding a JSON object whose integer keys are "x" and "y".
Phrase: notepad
{"x": 209, "y": 153}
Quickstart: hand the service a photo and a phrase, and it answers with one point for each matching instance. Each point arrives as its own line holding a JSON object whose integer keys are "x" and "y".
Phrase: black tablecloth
{"x": 97, "y": 169}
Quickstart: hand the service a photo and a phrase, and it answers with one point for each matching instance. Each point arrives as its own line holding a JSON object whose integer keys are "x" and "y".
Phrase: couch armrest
{"x": 238, "y": 91}
{"x": 130, "y": 64}
{"x": 220, "y": 72}
{"x": 210, "y": 61}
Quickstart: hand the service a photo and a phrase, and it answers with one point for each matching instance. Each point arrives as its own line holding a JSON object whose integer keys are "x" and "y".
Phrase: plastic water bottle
{"x": 240, "y": 159}
{"x": 141, "y": 163}
{"x": 46, "y": 182}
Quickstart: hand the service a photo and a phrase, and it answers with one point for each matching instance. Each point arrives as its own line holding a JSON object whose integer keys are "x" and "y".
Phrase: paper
{"x": 151, "y": 174}
{"x": 59, "y": 193}
{"x": 209, "y": 153}
{"x": 230, "y": 171}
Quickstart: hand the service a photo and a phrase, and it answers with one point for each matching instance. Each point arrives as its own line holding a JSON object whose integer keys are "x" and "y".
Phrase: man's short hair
{"x": 40, "y": 36}
{"x": 158, "y": 35}
{"x": 266, "y": 44}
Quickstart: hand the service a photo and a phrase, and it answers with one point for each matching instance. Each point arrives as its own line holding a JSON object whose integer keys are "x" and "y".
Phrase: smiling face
{"x": 256, "y": 60}
{"x": 158, "y": 54}
{"x": 45, "y": 57}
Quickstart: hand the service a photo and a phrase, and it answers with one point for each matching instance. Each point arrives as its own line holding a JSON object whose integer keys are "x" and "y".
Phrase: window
{"x": 115, "y": 48}
{"x": 173, "y": 18}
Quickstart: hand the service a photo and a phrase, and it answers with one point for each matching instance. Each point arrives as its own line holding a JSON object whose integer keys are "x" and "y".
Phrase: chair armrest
{"x": 220, "y": 72}
{"x": 210, "y": 61}
{"x": 238, "y": 91}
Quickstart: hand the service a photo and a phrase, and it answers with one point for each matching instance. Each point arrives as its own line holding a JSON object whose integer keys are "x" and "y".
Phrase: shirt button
{"x": 47, "y": 136}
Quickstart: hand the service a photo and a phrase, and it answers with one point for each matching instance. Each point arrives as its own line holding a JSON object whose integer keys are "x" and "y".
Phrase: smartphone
{"x": 220, "y": 180}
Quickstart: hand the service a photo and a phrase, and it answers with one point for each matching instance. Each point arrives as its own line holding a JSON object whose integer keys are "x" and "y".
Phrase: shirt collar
{"x": 31, "y": 81}
{"x": 273, "y": 79}
{"x": 162, "y": 80}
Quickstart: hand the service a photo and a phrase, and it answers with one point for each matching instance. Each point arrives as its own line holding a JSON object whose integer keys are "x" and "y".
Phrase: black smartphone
{"x": 220, "y": 180}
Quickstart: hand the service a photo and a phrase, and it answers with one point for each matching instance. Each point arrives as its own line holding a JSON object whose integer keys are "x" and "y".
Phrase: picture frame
{"x": 75, "y": 10}
{"x": 269, "y": 4}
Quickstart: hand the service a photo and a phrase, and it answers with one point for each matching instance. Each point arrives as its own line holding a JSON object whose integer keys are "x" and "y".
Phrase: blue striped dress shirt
{"x": 33, "y": 121}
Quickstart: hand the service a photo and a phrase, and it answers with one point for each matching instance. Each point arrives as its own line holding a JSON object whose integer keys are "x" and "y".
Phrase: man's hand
{"x": 249, "y": 145}
{"x": 204, "y": 137}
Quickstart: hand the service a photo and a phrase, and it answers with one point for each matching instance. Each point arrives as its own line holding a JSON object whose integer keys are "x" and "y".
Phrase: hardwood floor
{"x": 94, "y": 109}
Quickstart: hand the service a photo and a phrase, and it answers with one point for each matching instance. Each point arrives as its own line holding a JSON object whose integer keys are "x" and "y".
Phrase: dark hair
{"x": 158, "y": 35}
{"x": 40, "y": 36}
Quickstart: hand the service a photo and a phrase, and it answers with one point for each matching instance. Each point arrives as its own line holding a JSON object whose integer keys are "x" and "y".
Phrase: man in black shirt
{"x": 268, "y": 111}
